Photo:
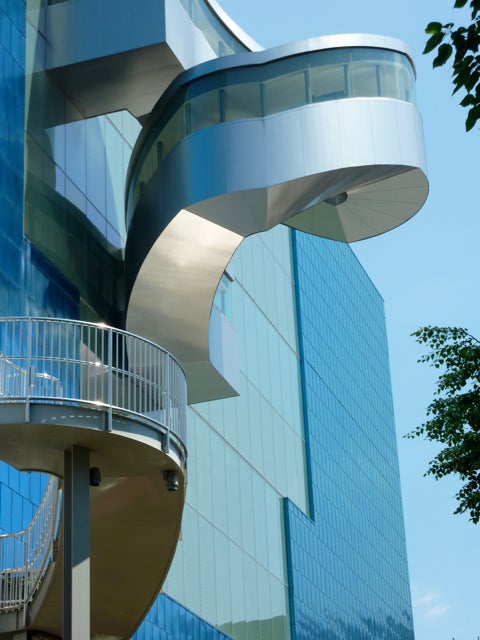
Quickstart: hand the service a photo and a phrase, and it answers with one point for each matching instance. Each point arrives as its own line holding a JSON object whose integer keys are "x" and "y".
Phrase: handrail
{"x": 26, "y": 555}
{"x": 18, "y": 379}
{"x": 69, "y": 361}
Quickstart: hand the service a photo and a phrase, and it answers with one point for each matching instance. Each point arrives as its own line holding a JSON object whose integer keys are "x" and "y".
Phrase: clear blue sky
{"x": 428, "y": 273}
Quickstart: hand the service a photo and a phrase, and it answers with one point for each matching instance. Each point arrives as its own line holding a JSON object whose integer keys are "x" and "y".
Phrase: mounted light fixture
{"x": 340, "y": 198}
{"x": 95, "y": 477}
{"x": 171, "y": 480}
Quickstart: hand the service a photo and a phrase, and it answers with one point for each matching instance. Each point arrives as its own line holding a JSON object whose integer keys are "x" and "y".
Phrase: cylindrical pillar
{"x": 76, "y": 551}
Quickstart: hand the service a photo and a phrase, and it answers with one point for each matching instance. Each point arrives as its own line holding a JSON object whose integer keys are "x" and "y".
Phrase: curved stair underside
{"x": 105, "y": 411}
{"x": 134, "y": 520}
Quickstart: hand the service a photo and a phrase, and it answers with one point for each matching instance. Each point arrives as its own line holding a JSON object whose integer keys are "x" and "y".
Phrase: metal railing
{"x": 81, "y": 363}
{"x": 25, "y": 556}
{"x": 15, "y": 381}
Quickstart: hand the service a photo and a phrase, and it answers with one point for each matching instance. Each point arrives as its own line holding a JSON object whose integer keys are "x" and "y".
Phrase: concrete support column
{"x": 76, "y": 554}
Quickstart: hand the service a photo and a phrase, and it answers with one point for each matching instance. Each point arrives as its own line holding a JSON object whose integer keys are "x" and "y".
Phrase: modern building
{"x": 175, "y": 207}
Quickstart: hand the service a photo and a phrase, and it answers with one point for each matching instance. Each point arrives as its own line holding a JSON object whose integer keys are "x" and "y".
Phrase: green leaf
{"x": 468, "y": 100}
{"x": 453, "y": 417}
{"x": 472, "y": 118}
{"x": 463, "y": 78}
{"x": 444, "y": 53}
{"x": 459, "y": 3}
{"x": 433, "y": 42}
{"x": 433, "y": 27}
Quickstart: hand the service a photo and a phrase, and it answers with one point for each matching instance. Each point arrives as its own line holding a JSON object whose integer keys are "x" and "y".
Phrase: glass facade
{"x": 20, "y": 493}
{"x": 245, "y": 454}
{"x": 293, "y": 524}
{"x": 347, "y": 567}
{"x": 168, "y": 620}
{"x": 12, "y": 101}
{"x": 295, "y": 530}
{"x": 74, "y": 188}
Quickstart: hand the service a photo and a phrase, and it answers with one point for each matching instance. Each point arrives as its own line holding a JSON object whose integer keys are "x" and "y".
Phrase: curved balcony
{"x": 68, "y": 386}
{"x": 259, "y": 91}
{"x": 323, "y": 136}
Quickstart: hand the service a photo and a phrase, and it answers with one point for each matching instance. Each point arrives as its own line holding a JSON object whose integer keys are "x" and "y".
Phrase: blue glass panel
{"x": 20, "y": 292}
{"x": 176, "y": 623}
{"x": 347, "y": 565}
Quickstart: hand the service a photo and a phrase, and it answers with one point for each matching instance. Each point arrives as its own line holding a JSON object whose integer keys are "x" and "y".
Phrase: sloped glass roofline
{"x": 221, "y": 32}
{"x": 260, "y": 84}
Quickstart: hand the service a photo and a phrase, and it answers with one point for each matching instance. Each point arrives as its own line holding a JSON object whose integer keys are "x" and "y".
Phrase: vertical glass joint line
{"x": 306, "y": 427}
{"x": 289, "y": 560}
{"x": 287, "y": 504}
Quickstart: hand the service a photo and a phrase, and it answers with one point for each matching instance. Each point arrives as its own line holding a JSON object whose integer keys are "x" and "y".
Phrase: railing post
{"x": 28, "y": 381}
{"x": 168, "y": 392}
{"x": 110, "y": 380}
{"x": 26, "y": 580}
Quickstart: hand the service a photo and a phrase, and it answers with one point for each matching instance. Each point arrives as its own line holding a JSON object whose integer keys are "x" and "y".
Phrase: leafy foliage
{"x": 463, "y": 43}
{"x": 454, "y": 414}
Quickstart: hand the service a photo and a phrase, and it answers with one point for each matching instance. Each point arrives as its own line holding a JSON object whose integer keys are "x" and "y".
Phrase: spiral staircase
{"x": 104, "y": 411}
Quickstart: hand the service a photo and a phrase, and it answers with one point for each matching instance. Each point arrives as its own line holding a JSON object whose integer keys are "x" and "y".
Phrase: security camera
{"x": 95, "y": 477}
{"x": 171, "y": 480}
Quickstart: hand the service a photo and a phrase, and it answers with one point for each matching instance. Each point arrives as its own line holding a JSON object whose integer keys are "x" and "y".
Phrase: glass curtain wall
{"x": 348, "y": 571}
{"x": 245, "y": 454}
{"x": 20, "y": 493}
{"x": 74, "y": 191}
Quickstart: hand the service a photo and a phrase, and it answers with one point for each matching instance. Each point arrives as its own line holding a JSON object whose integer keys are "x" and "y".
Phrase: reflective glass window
{"x": 174, "y": 131}
{"x": 397, "y": 82}
{"x": 364, "y": 79}
{"x": 285, "y": 92}
{"x": 203, "y": 111}
{"x": 328, "y": 83}
{"x": 243, "y": 101}
{"x": 76, "y": 153}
